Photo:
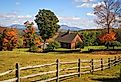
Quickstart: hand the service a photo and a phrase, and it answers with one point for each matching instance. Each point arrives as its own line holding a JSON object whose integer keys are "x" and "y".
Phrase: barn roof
{"x": 66, "y": 37}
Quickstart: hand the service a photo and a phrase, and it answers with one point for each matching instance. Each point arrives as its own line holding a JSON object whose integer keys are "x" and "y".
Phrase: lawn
{"x": 86, "y": 48}
{"x": 8, "y": 59}
{"x": 108, "y": 75}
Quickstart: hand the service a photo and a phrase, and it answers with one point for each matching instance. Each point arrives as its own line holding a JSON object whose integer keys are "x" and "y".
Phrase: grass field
{"x": 8, "y": 59}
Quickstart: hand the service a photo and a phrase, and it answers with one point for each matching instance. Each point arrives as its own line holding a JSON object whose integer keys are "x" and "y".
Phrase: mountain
{"x": 62, "y": 27}
{"x": 65, "y": 28}
{"x": 18, "y": 26}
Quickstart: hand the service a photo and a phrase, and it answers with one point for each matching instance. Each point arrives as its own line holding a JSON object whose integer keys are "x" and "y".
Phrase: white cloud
{"x": 68, "y": 18}
{"x": 7, "y": 19}
{"x": 87, "y": 5}
{"x": 90, "y": 14}
{"x": 85, "y": 1}
{"x": 26, "y": 16}
{"x": 77, "y": 22}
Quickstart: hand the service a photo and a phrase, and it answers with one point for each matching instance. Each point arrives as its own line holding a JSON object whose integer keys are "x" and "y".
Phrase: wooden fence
{"x": 79, "y": 68}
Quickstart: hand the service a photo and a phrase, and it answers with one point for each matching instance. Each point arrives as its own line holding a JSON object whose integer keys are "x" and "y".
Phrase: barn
{"x": 69, "y": 39}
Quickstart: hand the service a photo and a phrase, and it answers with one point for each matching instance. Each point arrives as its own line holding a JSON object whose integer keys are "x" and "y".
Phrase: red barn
{"x": 69, "y": 39}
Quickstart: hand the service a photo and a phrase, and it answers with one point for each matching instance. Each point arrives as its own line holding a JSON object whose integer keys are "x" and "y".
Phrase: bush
{"x": 80, "y": 45}
{"x": 33, "y": 48}
{"x": 53, "y": 45}
{"x": 113, "y": 44}
{"x": 20, "y": 42}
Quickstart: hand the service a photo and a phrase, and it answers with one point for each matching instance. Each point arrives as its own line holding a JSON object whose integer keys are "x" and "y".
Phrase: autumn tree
{"x": 47, "y": 24}
{"x": 9, "y": 39}
{"x": 30, "y": 37}
{"x": 107, "y": 38}
{"x": 107, "y": 12}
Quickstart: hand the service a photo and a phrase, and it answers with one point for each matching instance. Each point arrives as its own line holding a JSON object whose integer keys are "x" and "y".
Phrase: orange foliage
{"x": 108, "y": 37}
{"x": 9, "y": 40}
{"x": 30, "y": 35}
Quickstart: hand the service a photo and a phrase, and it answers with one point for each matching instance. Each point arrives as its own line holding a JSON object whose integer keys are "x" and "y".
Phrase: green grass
{"x": 8, "y": 59}
{"x": 107, "y": 75}
{"x": 86, "y": 48}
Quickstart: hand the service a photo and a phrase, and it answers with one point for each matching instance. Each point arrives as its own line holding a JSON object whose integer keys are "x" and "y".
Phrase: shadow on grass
{"x": 108, "y": 79}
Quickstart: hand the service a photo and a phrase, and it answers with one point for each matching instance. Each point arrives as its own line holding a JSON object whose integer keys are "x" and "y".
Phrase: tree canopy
{"x": 47, "y": 23}
{"x": 107, "y": 12}
{"x": 30, "y": 37}
{"x": 9, "y": 39}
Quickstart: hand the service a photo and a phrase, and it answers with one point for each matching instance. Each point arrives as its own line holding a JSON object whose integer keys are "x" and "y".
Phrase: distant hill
{"x": 65, "y": 28}
{"x": 18, "y": 26}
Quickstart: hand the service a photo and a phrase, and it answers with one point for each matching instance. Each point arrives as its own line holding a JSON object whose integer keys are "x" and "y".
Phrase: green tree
{"x": 114, "y": 43}
{"x": 53, "y": 45}
{"x": 47, "y": 24}
{"x": 118, "y": 34}
{"x": 90, "y": 38}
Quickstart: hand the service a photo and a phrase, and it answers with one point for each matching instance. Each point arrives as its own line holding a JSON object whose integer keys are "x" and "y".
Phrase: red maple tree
{"x": 107, "y": 37}
{"x": 9, "y": 39}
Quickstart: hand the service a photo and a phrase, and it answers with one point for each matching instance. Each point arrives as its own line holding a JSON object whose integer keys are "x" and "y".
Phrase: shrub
{"x": 53, "y": 45}
{"x": 20, "y": 42}
{"x": 113, "y": 44}
{"x": 80, "y": 45}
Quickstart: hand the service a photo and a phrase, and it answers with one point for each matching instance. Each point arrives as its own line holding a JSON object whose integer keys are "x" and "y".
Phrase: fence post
{"x": 57, "y": 69}
{"x": 92, "y": 66}
{"x": 79, "y": 68}
{"x": 101, "y": 64}
{"x": 109, "y": 63}
{"x": 17, "y": 72}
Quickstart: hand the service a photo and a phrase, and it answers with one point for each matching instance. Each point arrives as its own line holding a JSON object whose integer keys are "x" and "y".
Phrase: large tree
{"x": 107, "y": 12}
{"x": 47, "y": 23}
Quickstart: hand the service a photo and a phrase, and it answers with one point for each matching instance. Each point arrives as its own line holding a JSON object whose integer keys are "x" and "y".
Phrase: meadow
{"x": 8, "y": 59}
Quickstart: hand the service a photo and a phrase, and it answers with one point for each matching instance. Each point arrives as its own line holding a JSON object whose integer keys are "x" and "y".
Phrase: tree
{"x": 115, "y": 43}
{"x": 30, "y": 37}
{"x": 107, "y": 12}
{"x": 53, "y": 45}
{"x": 118, "y": 34}
{"x": 107, "y": 38}
{"x": 9, "y": 39}
{"x": 47, "y": 24}
{"x": 90, "y": 38}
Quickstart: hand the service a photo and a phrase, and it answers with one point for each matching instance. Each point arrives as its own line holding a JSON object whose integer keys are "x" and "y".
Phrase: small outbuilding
{"x": 69, "y": 40}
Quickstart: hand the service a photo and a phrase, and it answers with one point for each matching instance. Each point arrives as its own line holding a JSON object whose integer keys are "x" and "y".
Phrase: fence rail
{"x": 92, "y": 67}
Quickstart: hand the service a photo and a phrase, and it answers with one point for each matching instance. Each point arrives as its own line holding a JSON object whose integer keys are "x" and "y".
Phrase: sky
{"x": 77, "y": 13}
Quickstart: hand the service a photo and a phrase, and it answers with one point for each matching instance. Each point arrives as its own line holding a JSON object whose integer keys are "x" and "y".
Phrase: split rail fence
{"x": 101, "y": 65}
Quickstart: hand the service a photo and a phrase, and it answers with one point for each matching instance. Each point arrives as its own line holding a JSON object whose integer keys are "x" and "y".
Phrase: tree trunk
{"x": 107, "y": 46}
{"x": 44, "y": 45}
{"x": 113, "y": 47}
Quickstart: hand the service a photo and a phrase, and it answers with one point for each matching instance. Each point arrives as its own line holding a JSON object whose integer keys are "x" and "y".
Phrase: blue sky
{"x": 77, "y": 13}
